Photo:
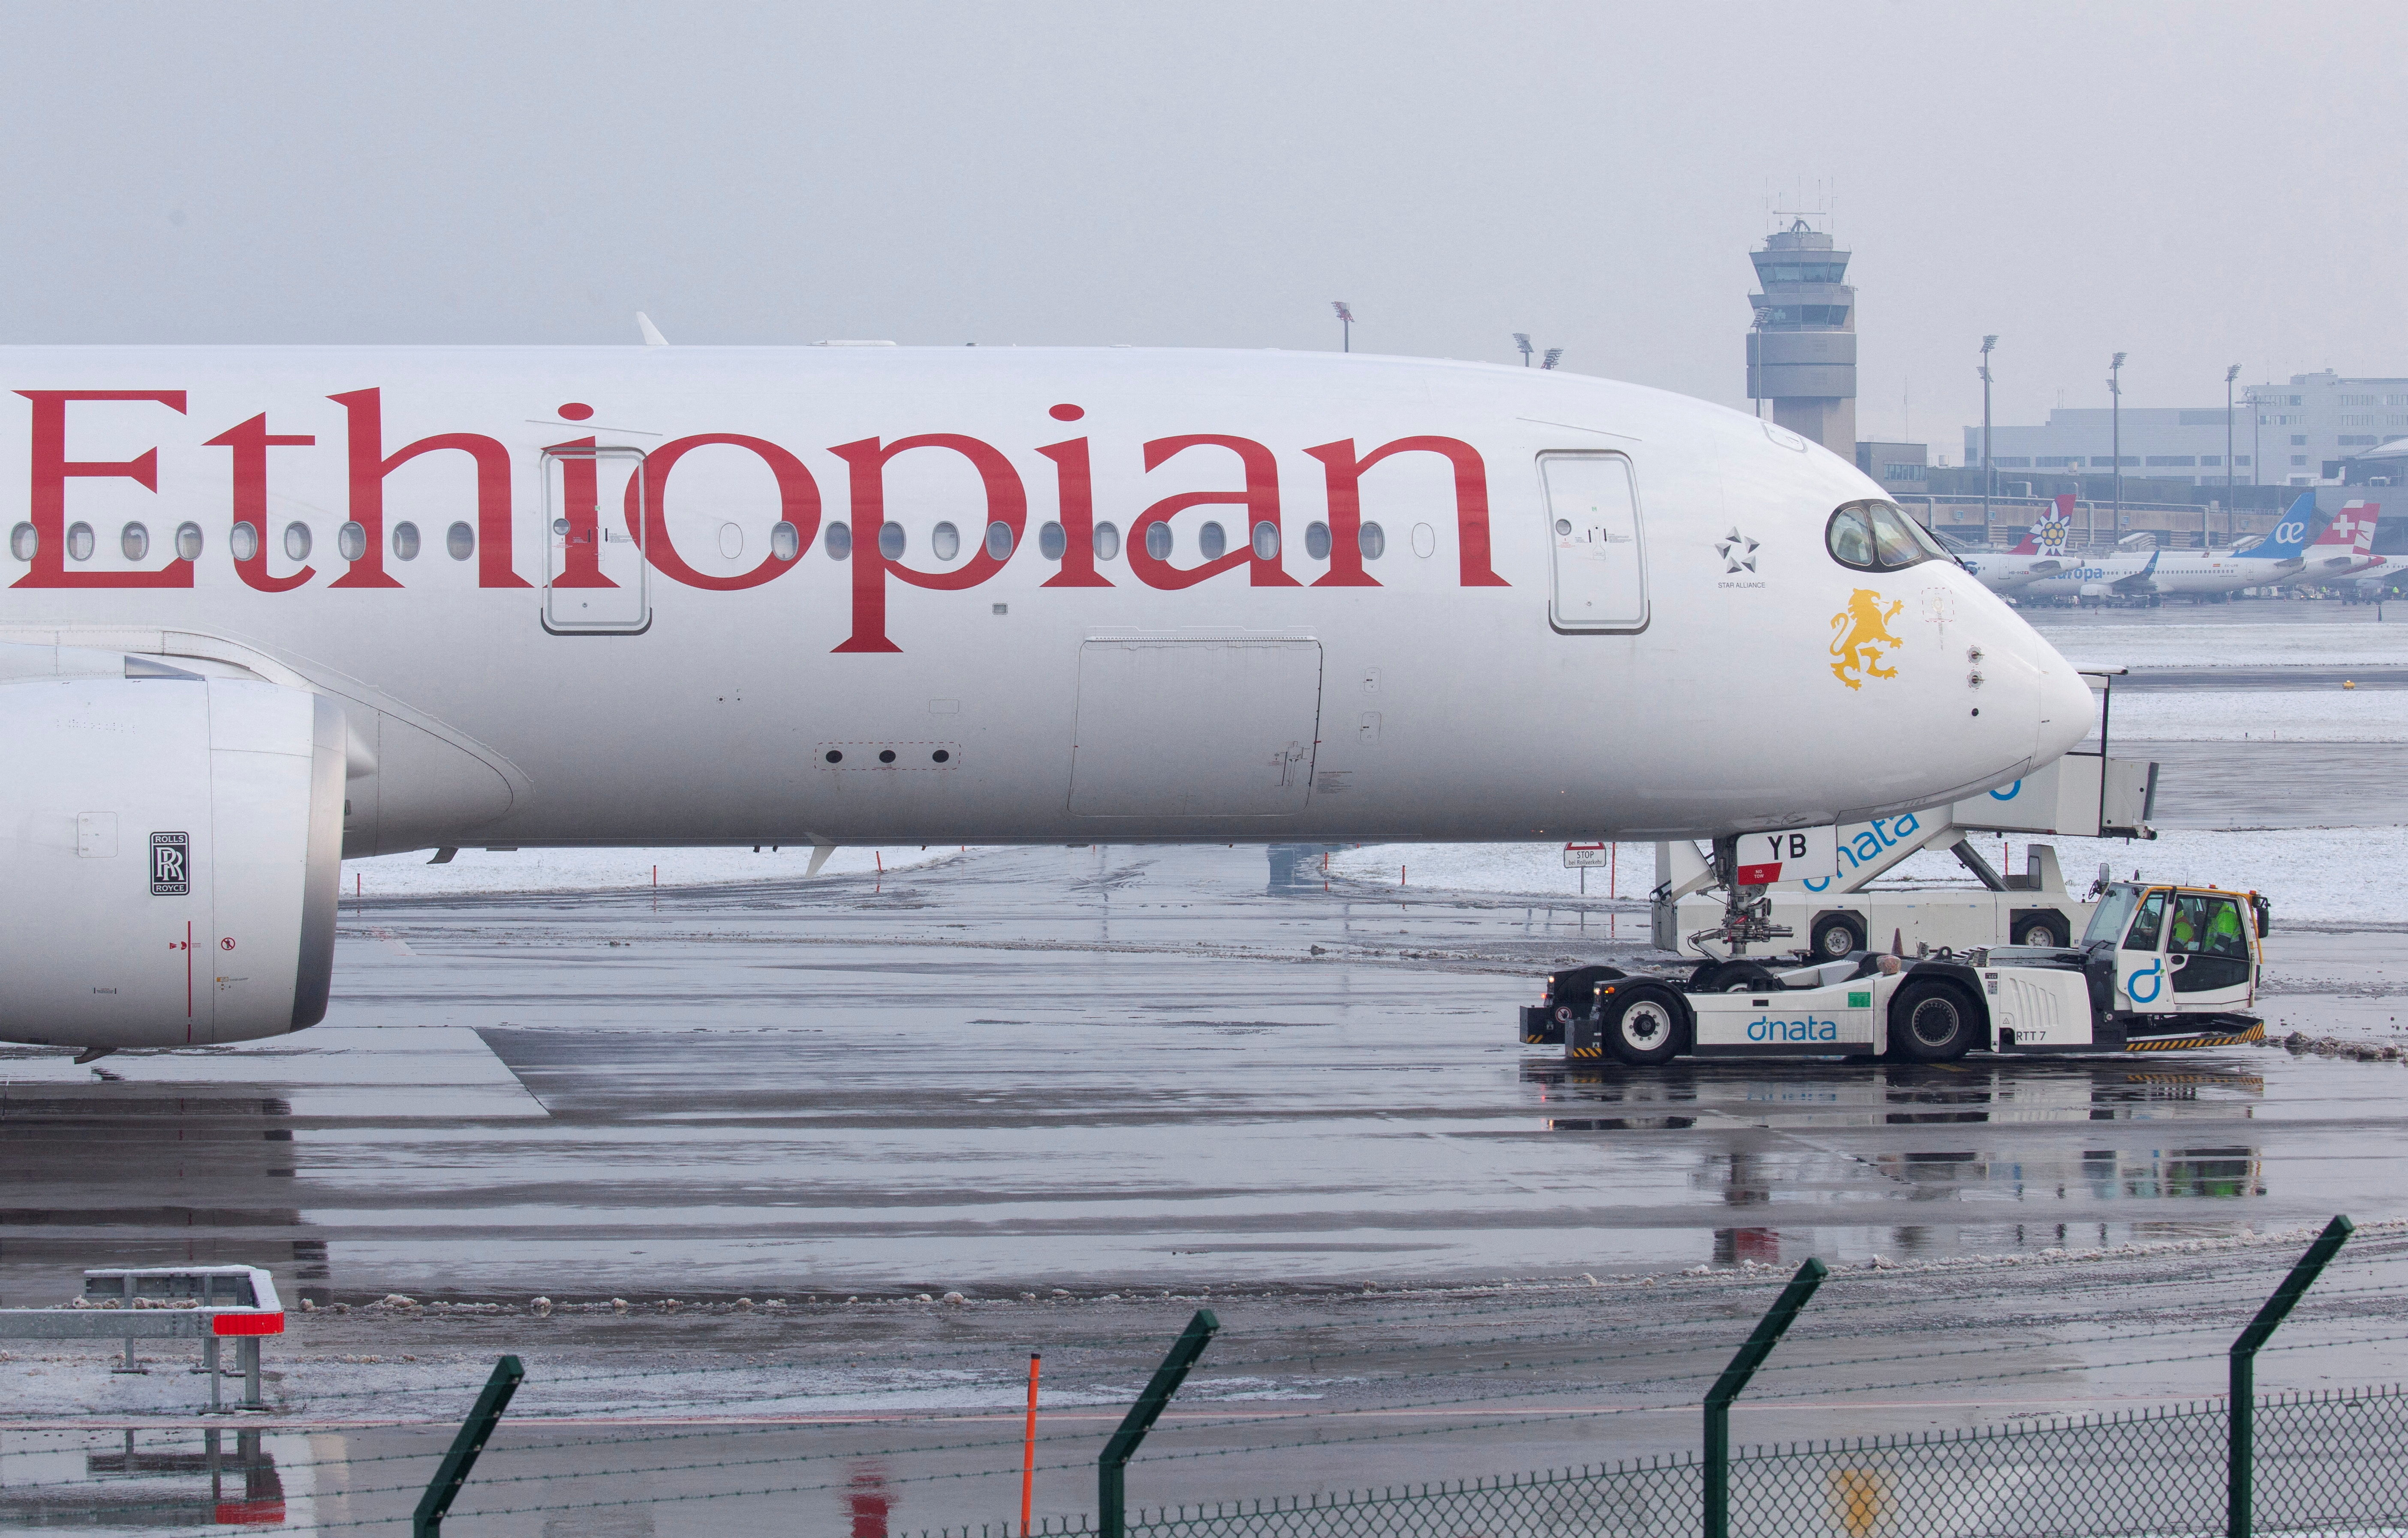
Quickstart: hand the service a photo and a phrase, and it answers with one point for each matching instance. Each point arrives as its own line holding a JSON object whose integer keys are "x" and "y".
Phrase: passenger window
{"x": 1372, "y": 540}
{"x": 1266, "y": 540}
{"x": 1157, "y": 541}
{"x": 244, "y": 542}
{"x": 405, "y": 541}
{"x": 1052, "y": 543}
{"x": 352, "y": 542}
{"x": 998, "y": 540}
{"x": 785, "y": 540}
{"x": 1316, "y": 541}
{"x": 24, "y": 541}
{"x": 944, "y": 542}
{"x": 2143, "y": 936}
{"x": 188, "y": 542}
{"x": 297, "y": 542}
{"x": 890, "y": 541}
{"x": 839, "y": 542}
{"x": 79, "y": 542}
{"x": 1213, "y": 542}
{"x": 1108, "y": 542}
{"x": 459, "y": 541}
{"x": 134, "y": 540}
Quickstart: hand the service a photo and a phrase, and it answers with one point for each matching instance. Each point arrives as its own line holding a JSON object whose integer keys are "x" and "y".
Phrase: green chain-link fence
{"x": 2328, "y": 1464}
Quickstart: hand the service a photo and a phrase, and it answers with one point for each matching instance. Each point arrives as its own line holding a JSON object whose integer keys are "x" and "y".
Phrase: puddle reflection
{"x": 147, "y": 1482}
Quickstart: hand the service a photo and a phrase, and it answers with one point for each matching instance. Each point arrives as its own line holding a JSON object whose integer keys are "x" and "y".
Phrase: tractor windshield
{"x": 2107, "y": 921}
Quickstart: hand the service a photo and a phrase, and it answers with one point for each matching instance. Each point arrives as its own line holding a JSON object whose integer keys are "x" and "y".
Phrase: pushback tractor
{"x": 2159, "y": 969}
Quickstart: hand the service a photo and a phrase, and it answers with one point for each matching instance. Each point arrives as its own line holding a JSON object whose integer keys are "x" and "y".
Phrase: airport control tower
{"x": 1801, "y": 355}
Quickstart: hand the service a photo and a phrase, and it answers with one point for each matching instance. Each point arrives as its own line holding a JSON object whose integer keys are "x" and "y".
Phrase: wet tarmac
{"x": 1098, "y": 1068}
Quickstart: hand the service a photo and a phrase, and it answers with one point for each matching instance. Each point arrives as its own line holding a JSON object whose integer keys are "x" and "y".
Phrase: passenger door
{"x": 2207, "y": 953}
{"x": 595, "y": 569}
{"x": 1598, "y": 579}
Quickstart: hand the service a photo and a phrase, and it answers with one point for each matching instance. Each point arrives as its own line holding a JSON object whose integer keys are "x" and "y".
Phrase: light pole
{"x": 1987, "y": 344}
{"x": 2115, "y": 450}
{"x": 2229, "y": 375}
{"x": 1522, "y": 340}
{"x": 1554, "y": 355}
{"x": 1345, "y": 325}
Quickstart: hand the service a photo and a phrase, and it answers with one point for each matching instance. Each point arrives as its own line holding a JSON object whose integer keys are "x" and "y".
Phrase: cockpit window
{"x": 1877, "y": 537}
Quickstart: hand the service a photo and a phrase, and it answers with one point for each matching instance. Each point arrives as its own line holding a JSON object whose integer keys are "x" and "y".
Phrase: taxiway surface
{"x": 1100, "y": 1068}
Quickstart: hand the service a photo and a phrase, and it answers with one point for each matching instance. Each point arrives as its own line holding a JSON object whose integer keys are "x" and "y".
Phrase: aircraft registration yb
{"x": 266, "y": 607}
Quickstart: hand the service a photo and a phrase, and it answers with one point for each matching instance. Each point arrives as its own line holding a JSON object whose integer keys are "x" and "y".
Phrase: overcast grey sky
{"x": 2195, "y": 184}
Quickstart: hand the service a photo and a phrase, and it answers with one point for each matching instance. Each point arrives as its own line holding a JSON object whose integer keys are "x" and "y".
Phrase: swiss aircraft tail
{"x": 2290, "y": 539}
{"x": 2351, "y": 530}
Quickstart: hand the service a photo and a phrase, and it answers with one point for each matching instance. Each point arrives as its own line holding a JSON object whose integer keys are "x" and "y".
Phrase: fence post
{"x": 1112, "y": 1467}
{"x": 2241, "y": 1406}
{"x": 1743, "y": 1367}
{"x": 427, "y": 1521}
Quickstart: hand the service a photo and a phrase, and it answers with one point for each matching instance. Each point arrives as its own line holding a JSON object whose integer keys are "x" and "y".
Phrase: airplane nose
{"x": 2067, "y": 709}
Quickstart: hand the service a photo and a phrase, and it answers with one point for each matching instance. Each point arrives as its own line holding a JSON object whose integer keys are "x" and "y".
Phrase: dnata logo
{"x": 2290, "y": 532}
{"x": 1866, "y": 845}
{"x": 2154, "y": 974}
{"x": 1763, "y": 1029}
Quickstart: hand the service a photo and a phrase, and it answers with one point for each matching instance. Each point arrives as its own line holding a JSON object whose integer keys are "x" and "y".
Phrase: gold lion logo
{"x": 1858, "y": 633}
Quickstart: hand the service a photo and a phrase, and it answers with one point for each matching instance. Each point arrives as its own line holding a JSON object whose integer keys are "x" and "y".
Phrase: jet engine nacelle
{"x": 170, "y": 858}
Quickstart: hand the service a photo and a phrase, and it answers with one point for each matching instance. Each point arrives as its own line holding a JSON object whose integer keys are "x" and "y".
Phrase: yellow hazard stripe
{"x": 2184, "y": 1044}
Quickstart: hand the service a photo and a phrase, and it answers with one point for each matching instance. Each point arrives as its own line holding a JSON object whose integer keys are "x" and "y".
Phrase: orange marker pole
{"x": 1028, "y": 1451}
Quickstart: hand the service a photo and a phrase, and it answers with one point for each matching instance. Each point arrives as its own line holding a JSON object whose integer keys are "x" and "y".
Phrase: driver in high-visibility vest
{"x": 2224, "y": 931}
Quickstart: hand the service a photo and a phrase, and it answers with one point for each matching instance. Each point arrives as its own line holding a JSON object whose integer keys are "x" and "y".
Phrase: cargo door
{"x": 595, "y": 570}
{"x": 2207, "y": 953}
{"x": 1599, "y": 577}
{"x": 1178, "y": 727}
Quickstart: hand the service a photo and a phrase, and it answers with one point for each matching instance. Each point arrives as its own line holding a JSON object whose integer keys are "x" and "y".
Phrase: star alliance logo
{"x": 1737, "y": 550}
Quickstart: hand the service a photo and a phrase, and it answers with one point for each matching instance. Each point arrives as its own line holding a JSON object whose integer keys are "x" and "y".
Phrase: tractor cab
{"x": 2168, "y": 950}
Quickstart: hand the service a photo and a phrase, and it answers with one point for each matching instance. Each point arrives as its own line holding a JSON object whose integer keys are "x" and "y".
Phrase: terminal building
{"x": 1801, "y": 352}
{"x": 2283, "y": 435}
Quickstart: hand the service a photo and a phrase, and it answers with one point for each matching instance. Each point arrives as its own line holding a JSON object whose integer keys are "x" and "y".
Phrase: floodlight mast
{"x": 2115, "y": 444}
{"x": 2230, "y": 526}
{"x": 1522, "y": 340}
{"x": 1554, "y": 355}
{"x": 1987, "y": 342}
{"x": 1346, "y": 325}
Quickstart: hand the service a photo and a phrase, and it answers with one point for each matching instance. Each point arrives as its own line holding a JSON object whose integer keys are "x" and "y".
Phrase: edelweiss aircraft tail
{"x": 2047, "y": 535}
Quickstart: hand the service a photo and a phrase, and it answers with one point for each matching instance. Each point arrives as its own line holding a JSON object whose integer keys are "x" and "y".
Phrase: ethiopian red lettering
{"x": 52, "y": 470}
{"x": 1344, "y": 472}
{"x": 1006, "y": 502}
{"x": 250, "y": 440}
{"x": 1076, "y": 483}
{"x": 798, "y": 503}
{"x": 370, "y": 465}
{"x": 580, "y": 507}
{"x": 1260, "y": 499}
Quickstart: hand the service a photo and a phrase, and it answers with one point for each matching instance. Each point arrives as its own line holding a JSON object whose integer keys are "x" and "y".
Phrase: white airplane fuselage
{"x": 608, "y": 655}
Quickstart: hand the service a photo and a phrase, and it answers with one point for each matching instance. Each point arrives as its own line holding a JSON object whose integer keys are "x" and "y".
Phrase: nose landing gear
{"x": 1747, "y": 910}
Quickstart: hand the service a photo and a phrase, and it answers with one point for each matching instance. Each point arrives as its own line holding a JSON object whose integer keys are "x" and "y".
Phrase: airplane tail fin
{"x": 2352, "y": 528}
{"x": 2288, "y": 541}
{"x": 2047, "y": 535}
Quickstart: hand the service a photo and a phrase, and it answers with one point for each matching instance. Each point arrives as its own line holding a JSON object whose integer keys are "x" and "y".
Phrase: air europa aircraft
{"x": 267, "y": 607}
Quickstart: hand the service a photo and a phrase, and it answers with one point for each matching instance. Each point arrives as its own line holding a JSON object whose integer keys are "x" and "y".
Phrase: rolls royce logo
{"x": 170, "y": 870}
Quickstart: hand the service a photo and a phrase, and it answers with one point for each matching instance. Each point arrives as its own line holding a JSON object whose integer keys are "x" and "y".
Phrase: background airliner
{"x": 269, "y": 606}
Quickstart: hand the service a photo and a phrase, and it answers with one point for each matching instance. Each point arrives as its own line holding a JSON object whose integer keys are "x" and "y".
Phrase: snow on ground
{"x": 2332, "y": 714}
{"x": 591, "y": 870}
{"x": 2253, "y": 634}
{"x": 2334, "y": 873}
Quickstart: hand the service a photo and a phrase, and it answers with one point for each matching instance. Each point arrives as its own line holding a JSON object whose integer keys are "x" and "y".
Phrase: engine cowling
{"x": 170, "y": 858}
